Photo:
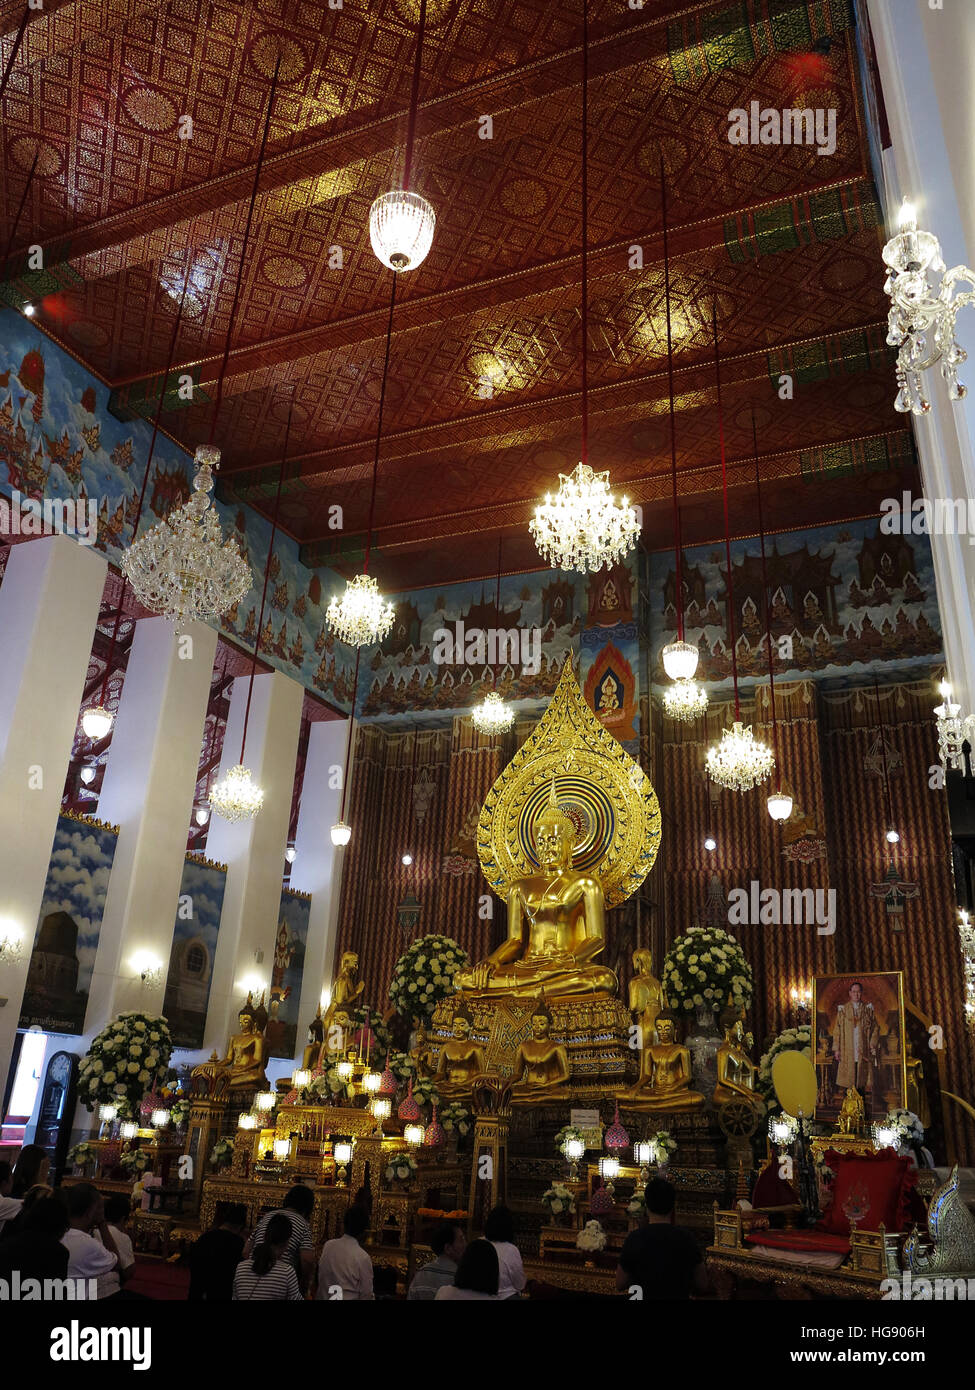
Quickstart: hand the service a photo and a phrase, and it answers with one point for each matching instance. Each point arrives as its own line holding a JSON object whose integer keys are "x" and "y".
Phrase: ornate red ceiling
{"x": 781, "y": 240}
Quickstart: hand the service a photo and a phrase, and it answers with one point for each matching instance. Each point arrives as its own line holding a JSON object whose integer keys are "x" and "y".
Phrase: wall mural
{"x": 287, "y": 970}
{"x": 58, "y": 440}
{"x": 194, "y": 949}
{"x": 843, "y": 601}
{"x": 70, "y": 919}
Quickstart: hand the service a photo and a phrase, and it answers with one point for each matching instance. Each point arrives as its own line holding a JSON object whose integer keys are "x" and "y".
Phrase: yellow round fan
{"x": 794, "y": 1079}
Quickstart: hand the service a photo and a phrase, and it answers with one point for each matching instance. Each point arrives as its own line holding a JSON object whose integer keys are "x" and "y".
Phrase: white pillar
{"x": 253, "y": 850}
{"x": 930, "y": 115}
{"x": 148, "y": 792}
{"x": 318, "y": 863}
{"x": 49, "y": 606}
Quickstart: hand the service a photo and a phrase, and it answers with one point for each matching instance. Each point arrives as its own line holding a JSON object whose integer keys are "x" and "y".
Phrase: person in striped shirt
{"x": 269, "y": 1273}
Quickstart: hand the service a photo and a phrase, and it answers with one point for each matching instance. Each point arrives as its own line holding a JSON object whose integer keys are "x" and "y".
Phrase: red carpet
{"x": 156, "y": 1279}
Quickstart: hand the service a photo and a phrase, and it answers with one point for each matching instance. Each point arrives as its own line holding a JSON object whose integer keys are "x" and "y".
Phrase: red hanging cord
{"x": 727, "y": 525}
{"x": 768, "y": 630}
{"x": 379, "y": 426}
{"x": 348, "y": 742}
{"x": 497, "y": 605}
{"x": 414, "y": 95}
{"x": 585, "y": 231}
{"x": 267, "y": 571}
{"x": 673, "y": 420}
{"x": 20, "y": 210}
{"x": 883, "y": 745}
{"x": 15, "y": 50}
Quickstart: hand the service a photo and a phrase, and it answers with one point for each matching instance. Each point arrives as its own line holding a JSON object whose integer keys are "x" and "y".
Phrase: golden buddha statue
{"x": 850, "y": 1119}
{"x": 316, "y": 1036}
{"x": 556, "y": 924}
{"x": 346, "y": 989}
{"x": 736, "y": 1072}
{"x": 422, "y": 1053}
{"x": 665, "y": 1072}
{"x": 646, "y": 995}
{"x": 541, "y": 1066}
{"x": 244, "y": 1062}
{"x": 461, "y": 1059}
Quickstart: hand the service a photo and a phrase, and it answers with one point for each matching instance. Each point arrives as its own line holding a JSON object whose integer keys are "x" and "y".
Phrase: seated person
{"x": 476, "y": 1280}
{"x": 448, "y": 1242}
{"x": 298, "y": 1207}
{"x": 499, "y": 1229}
{"x": 662, "y": 1259}
{"x": 344, "y": 1264}
{"x": 118, "y": 1209}
{"x": 37, "y": 1250}
{"x": 90, "y": 1258}
{"x": 214, "y": 1258}
{"x": 269, "y": 1274}
{"x": 9, "y": 1206}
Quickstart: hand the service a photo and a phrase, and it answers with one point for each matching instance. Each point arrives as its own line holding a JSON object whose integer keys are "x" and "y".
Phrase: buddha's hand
{"x": 481, "y": 973}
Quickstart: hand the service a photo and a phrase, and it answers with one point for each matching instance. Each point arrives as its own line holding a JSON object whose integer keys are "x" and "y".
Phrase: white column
{"x": 318, "y": 863}
{"x": 148, "y": 792}
{"x": 253, "y": 850}
{"x": 930, "y": 113}
{"x": 49, "y": 606}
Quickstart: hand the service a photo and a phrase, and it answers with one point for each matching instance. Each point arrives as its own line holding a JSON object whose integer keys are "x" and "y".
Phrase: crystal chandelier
{"x": 401, "y": 226}
{"x": 183, "y": 568}
{"x": 361, "y": 617}
{"x": 680, "y": 660}
{"x": 236, "y": 797}
{"x": 685, "y": 700}
{"x": 953, "y": 731}
{"x": 921, "y": 321}
{"x": 492, "y": 715}
{"x": 583, "y": 527}
{"x": 739, "y": 762}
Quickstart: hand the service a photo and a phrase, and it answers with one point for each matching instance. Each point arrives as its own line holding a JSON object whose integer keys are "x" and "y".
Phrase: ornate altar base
{"x": 594, "y": 1029}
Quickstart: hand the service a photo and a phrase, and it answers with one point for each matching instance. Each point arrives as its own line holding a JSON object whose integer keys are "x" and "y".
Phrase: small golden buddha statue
{"x": 541, "y": 1066}
{"x": 244, "y": 1062}
{"x": 646, "y": 995}
{"x": 850, "y": 1118}
{"x": 346, "y": 989}
{"x": 422, "y": 1053}
{"x": 736, "y": 1073}
{"x": 665, "y": 1072}
{"x": 461, "y": 1059}
{"x": 556, "y": 924}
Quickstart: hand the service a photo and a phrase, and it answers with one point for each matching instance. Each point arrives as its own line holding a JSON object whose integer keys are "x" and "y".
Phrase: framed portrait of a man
{"x": 858, "y": 1023}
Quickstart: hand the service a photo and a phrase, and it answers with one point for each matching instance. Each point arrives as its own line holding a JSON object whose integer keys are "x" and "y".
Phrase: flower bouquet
{"x": 401, "y": 1167}
{"x": 566, "y": 1133}
{"x": 425, "y": 1092}
{"x": 637, "y": 1204}
{"x": 424, "y": 974}
{"x": 592, "y": 1238}
{"x": 124, "y": 1060}
{"x": 402, "y": 1066}
{"x": 179, "y": 1112}
{"x": 789, "y": 1040}
{"x": 134, "y": 1163}
{"x": 707, "y": 968}
{"x": 910, "y": 1131}
{"x": 83, "y": 1155}
{"x": 666, "y": 1146}
{"x": 558, "y": 1201}
{"x": 222, "y": 1153}
{"x": 455, "y": 1118}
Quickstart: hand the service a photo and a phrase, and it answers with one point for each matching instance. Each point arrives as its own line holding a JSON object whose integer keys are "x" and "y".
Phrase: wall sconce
{"x": 11, "y": 943}
{"x": 149, "y": 968}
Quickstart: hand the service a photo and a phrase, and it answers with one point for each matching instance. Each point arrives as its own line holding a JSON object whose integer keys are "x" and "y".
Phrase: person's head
{"x": 355, "y": 1222}
{"x": 277, "y": 1233}
{"x": 660, "y": 1197}
{"x": 32, "y": 1168}
{"x": 84, "y": 1204}
{"x": 117, "y": 1209}
{"x": 500, "y": 1225}
{"x": 6, "y": 1178}
{"x": 478, "y": 1268}
{"x": 554, "y": 835}
{"x": 300, "y": 1199}
{"x": 856, "y": 991}
{"x": 47, "y": 1217}
{"x": 36, "y": 1194}
{"x": 448, "y": 1238}
{"x": 232, "y": 1217}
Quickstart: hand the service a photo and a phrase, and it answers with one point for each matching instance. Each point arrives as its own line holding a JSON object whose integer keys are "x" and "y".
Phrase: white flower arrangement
{"x": 325, "y": 1087}
{"x": 222, "y": 1153}
{"x": 454, "y": 1117}
{"x": 134, "y": 1161}
{"x": 401, "y": 1167}
{"x": 124, "y": 1061}
{"x": 558, "y": 1200}
{"x": 179, "y": 1113}
{"x": 637, "y": 1204}
{"x": 566, "y": 1133}
{"x": 666, "y": 1146}
{"x": 909, "y": 1129}
{"x": 789, "y": 1040}
{"x": 402, "y": 1066}
{"x": 592, "y": 1237}
{"x": 707, "y": 968}
{"x": 82, "y": 1154}
{"x": 425, "y": 1092}
{"x": 424, "y": 974}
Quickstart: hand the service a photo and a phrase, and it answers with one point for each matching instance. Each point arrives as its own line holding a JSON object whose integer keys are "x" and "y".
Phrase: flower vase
{"x": 703, "y": 1041}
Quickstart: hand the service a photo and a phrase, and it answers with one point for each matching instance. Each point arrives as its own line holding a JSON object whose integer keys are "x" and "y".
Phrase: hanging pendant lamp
{"x": 583, "y": 527}
{"x": 236, "y": 796}
{"x": 738, "y": 761}
{"x": 362, "y": 617}
{"x": 402, "y": 223}
{"x": 779, "y": 802}
{"x": 492, "y": 716}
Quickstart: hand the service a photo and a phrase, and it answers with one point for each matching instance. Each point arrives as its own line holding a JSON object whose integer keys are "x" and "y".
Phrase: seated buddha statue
{"x": 461, "y": 1059}
{"x": 646, "y": 995}
{"x": 736, "y": 1072}
{"x": 556, "y": 924}
{"x": 541, "y": 1066}
{"x": 346, "y": 989}
{"x": 244, "y": 1062}
{"x": 665, "y": 1072}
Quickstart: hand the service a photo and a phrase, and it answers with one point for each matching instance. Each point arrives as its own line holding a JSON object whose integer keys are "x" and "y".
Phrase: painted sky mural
{"x": 194, "y": 951}
{"x": 70, "y": 919}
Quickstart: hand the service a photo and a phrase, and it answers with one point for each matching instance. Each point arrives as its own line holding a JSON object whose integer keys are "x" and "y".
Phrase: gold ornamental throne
{"x": 569, "y": 830}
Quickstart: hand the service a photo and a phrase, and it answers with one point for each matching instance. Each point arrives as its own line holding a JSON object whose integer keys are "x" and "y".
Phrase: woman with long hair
{"x": 477, "y": 1275}
{"x": 268, "y": 1273}
{"x": 31, "y": 1170}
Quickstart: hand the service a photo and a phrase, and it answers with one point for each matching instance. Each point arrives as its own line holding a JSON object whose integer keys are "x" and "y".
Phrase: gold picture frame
{"x": 880, "y": 1073}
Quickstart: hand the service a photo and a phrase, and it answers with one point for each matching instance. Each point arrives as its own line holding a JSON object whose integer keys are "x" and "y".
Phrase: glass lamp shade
{"x": 885, "y": 1136}
{"x": 342, "y": 1151}
{"x": 282, "y": 1148}
{"x": 245, "y": 1120}
{"x": 643, "y": 1152}
{"x": 341, "y": 833}
{"x": 300, "y": 1078}
{"x": 96, "y": 721}
{"x": 380, "y": 1108}
{"x": 782, "y": 1129}
{"x": 573, "y": 1149}
{"x": 291, "y": 854}
{"x": 160, "y": 1118}
{"x": 107, "y": 1113}
{"x": 264, "y": 1100}
{"x": 680, "y": 660}
{"x": 87, "y": 775}
{"x": 413, "y": 1134}
{"x": 892, "y": 837}
{"x": 345, "y": 1070}
{"x": 779, "y": 805}
{"x": 685, "y": 700}
{"x": 372, "y": 1081}
{"x": 129, "y": 1129}
{"x": 401, "y": 227}
{"x": 201, "y": 815}
{"x": 609, "y": 1168}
